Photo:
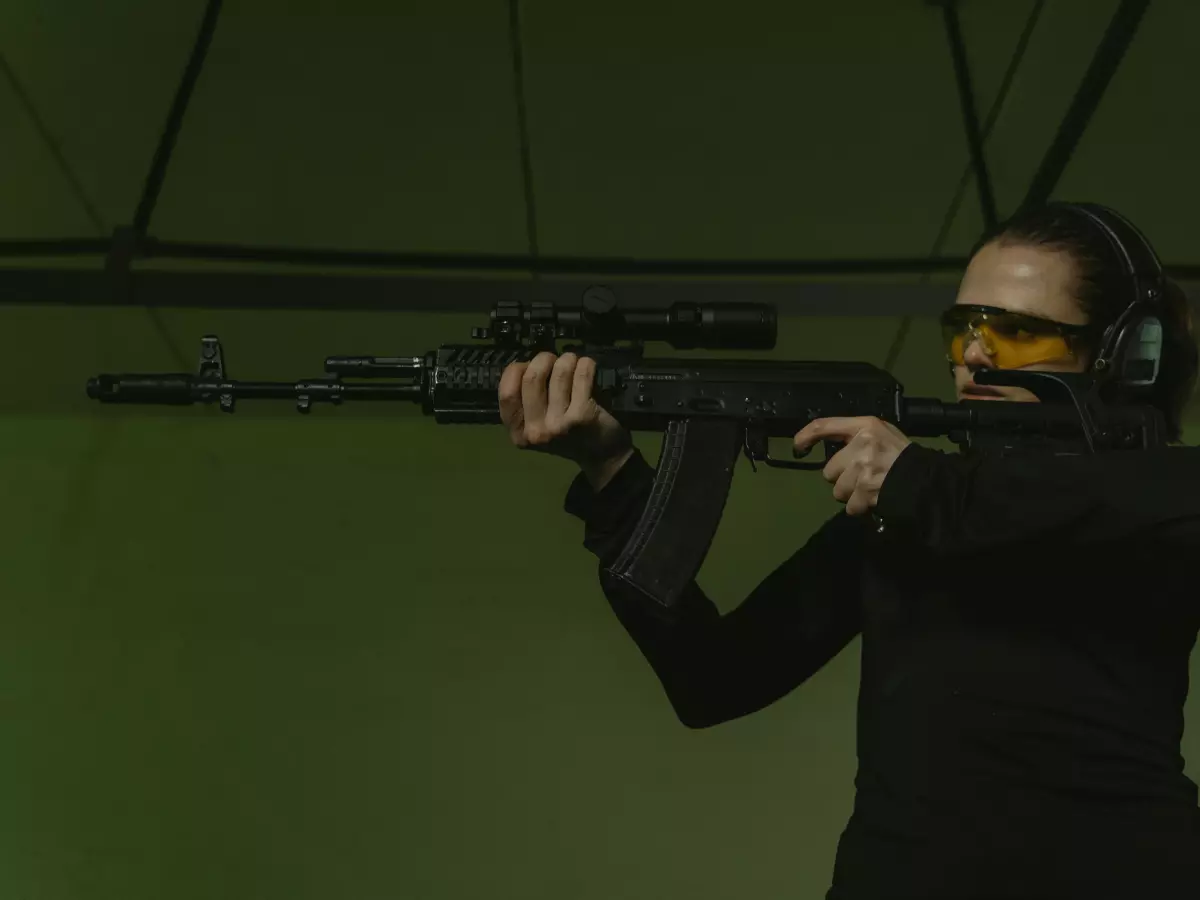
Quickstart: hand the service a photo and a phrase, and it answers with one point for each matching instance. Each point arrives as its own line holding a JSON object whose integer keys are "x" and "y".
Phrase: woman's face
{"x": 1025, "y": 279}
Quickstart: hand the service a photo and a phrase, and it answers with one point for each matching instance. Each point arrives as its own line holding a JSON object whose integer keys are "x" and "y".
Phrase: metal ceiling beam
{"x": 550, "y": 265}
{"x": 174, "y": 122}
{"x": 517, "y": 53}
{"x": 1010, "y": 73}
{"x": 472, "y": 268}
{"x": 431, "y": 293}
{"x": 1105, "y": 62}
{"x": 53, "y": 146}
{"x": 32, "y": 248}
{"x": 343, "y": 293}
{"x": 151, "y": 248}
{"x": 966, "y": 97}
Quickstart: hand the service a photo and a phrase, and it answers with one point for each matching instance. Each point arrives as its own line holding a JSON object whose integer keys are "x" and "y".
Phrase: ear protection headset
{"x": 1129, "y": 350}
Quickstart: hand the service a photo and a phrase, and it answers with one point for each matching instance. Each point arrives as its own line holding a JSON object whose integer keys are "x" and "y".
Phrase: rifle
{"x": 708, "y": 410}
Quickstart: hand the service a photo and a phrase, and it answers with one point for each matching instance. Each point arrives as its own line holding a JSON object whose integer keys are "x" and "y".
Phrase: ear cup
{"x": 1130, "y": 350}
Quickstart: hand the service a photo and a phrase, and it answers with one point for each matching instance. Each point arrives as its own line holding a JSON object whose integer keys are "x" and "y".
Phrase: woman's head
{"x": 1053, "y": 263}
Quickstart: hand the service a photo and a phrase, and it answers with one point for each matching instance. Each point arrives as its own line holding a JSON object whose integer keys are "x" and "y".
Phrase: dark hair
{"x": 1103, "y": 291}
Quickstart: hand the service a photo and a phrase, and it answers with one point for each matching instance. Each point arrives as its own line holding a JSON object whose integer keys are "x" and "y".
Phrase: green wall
{"x": 362, "y": 655}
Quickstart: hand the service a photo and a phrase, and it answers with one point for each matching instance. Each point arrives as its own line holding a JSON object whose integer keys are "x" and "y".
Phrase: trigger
{"x": 754, "y": 445}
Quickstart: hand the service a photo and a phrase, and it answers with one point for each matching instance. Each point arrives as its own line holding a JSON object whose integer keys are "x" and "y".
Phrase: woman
{"x": 1026, "y": 621}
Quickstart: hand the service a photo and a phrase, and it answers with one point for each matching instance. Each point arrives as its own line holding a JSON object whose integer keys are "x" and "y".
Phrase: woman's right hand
{"x": 547, "y": 405}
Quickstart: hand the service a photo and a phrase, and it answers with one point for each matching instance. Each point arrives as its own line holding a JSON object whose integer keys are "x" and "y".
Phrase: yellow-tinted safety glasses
{"x": 1011, "y": 339}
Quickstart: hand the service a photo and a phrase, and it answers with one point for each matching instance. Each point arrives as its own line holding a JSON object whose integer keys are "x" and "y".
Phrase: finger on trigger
{"x": 806, "y": 436}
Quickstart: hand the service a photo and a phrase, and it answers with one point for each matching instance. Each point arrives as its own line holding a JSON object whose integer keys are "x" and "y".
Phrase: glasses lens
{"x": 1012, "y": 340}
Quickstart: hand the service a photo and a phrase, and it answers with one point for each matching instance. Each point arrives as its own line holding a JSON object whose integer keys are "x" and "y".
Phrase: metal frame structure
{"x": 474, "y": 279}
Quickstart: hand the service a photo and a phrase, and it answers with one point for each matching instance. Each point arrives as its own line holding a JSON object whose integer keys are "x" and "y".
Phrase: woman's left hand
{"x": 857, "y": 470}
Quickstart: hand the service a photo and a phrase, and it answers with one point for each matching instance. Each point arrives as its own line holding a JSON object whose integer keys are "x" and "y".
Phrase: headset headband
{"x": 1131, "y": 346}
{"x": 1129, "y": 245}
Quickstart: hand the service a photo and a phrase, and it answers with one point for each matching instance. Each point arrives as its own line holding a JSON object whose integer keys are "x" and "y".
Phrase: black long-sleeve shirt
{"x": 1026, "y": 626}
